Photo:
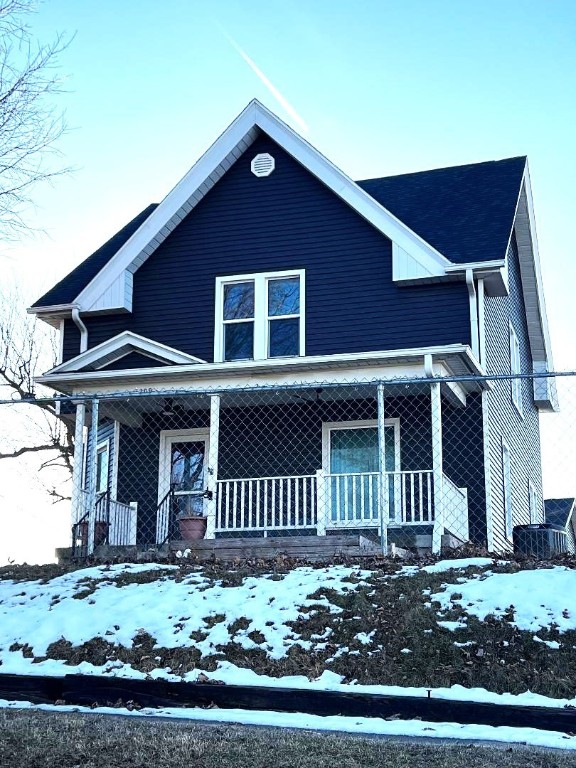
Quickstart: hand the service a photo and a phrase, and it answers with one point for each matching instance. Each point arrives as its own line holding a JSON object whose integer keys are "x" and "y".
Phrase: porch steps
{"x": 304, "y": 547}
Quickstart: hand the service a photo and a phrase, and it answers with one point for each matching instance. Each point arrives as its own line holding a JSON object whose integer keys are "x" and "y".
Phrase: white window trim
{"x": 507, "y": 490}
{"x": 533, "y": 504}
{"x": 515, "y": 368}
{"x": 260, "y": 280}
{"x": 329, "y": 426}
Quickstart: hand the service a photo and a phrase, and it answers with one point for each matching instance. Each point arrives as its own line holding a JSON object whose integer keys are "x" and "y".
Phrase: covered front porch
{"x": 388, "y": 461}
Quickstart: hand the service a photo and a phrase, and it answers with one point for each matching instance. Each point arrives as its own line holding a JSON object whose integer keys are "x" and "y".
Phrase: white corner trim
{"x": 117, "y": 347}
{"x": 104, "y": 291}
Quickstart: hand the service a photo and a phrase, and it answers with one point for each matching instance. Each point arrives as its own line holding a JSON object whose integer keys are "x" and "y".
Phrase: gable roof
{"x": 466, "y": 212}
{"x": 119, "y": 346}
{"x": 111, "y": 287}
{"x": 66, "y": 291}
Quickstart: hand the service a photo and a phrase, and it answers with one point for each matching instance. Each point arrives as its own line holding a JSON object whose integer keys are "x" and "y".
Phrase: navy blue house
{"x": 317, "y": 353}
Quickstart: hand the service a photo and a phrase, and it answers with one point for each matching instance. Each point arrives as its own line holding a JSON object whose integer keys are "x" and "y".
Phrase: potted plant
{"x": 191, "y": 521}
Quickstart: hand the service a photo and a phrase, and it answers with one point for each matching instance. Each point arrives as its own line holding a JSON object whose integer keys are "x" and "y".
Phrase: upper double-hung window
{"x": 259, "y": 316}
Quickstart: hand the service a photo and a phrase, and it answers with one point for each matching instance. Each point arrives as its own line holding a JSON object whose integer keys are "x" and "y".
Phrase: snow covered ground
{"x": 107, "y": 603}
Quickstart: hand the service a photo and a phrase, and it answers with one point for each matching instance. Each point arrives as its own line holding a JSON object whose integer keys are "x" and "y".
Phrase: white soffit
{"x": 117, "y": 347}
{"x": 112, "y": 287}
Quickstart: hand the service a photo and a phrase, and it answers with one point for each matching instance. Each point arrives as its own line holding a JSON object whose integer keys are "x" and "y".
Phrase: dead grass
{"x": 41, "y": 739}
{"x": 406, "y": 647}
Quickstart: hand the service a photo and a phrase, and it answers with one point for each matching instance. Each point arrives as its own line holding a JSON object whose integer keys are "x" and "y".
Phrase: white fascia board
{"x": 102, "y": 292}
{"x": 531, "y": 273}
{"x": 120, "y": 345}
{"x": 477, "y": 266}
{"x": 457, "y": 358}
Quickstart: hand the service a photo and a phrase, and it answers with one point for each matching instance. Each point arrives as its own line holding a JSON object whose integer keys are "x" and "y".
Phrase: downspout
{"x": 473, "y": 302}
{"x": 481, "y": 322}
{"x": 82, "y": 328}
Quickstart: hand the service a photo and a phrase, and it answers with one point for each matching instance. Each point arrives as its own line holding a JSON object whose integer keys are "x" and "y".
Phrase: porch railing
{"x": 323, "y": 501}
{"x": 266, "y": 504}
{"x": 355, "y": 498}
{"x": 455, "y": 509}
{"x": 114, "y": 523}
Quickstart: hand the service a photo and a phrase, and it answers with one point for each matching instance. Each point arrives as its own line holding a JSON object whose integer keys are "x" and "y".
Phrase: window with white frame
{"x": 259, "y": 316}
{"x": 515, "y": 368}
{"x": 533, "y": 503}
{"x": 507, "y": 489}
{"x": 102, "y": 464}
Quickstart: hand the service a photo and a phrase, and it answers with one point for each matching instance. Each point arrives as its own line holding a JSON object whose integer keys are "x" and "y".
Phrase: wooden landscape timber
{"x": 89, "y": 690}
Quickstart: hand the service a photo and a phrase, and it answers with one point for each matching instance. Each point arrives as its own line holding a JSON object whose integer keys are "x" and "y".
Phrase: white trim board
{"x": 111, "y": 288}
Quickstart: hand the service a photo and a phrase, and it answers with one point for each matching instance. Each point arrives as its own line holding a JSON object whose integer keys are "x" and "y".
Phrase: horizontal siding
{"x": 521, "y": 433}
{"x": 288, "y": 220}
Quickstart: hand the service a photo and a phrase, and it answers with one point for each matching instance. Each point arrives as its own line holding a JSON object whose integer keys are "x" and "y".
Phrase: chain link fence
{"x": 412, "y": 464}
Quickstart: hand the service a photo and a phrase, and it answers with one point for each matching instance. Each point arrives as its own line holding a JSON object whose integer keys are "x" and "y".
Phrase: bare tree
{"x": 32, "y": 423}
{"x": 30, "y": 124}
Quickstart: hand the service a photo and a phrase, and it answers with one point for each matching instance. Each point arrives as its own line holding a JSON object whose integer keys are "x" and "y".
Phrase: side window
{"x": 102, "y": 464}
{"x": 515, "y": 368}
{"x": 507, "y": 489}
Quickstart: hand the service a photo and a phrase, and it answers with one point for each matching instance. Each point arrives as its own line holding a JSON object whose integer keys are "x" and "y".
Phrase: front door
{"x": 187, "y": 477}
{"x": 353, "y": 471}
{"x": 182, "y": 478}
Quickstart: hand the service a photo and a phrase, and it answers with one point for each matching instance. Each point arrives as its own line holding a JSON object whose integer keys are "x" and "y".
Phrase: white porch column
{"x": 321, "y": 502}
{"x": 77, "y": 497}
{"x": 383, "y": 494}
{"x": 212, "y": 468}
{"x": 92, "y": 471}
{"x": 437, "y": 469}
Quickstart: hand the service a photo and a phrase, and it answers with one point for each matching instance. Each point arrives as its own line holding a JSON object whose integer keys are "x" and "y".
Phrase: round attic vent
{"x": 262, "y": 165}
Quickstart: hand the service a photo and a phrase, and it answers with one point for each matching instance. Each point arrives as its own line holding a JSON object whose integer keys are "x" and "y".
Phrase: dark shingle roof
{"x": 466, "y": 212}
{"x": 70, "y": 286}
{"x": 558, "y": 511}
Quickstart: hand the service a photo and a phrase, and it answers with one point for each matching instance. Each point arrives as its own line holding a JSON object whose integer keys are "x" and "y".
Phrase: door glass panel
{"x": 187, "y": 477}
{"x": 187, "y": 466}
{"x": 354, "y": 497}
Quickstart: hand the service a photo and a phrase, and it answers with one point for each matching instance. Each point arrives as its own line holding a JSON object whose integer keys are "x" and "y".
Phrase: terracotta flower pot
{"x": 192, "y": 528}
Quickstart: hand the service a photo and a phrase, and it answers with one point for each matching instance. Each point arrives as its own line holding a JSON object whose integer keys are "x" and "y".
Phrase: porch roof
{"x": 451, "y": 362}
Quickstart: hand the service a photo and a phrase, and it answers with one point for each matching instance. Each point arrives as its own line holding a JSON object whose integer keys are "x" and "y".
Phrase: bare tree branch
{"x": 30, "y": 124}
{"x": 27, "y": 348}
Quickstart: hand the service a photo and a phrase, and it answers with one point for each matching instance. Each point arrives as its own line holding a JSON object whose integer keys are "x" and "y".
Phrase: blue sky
{"x": 384, "y": 87}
